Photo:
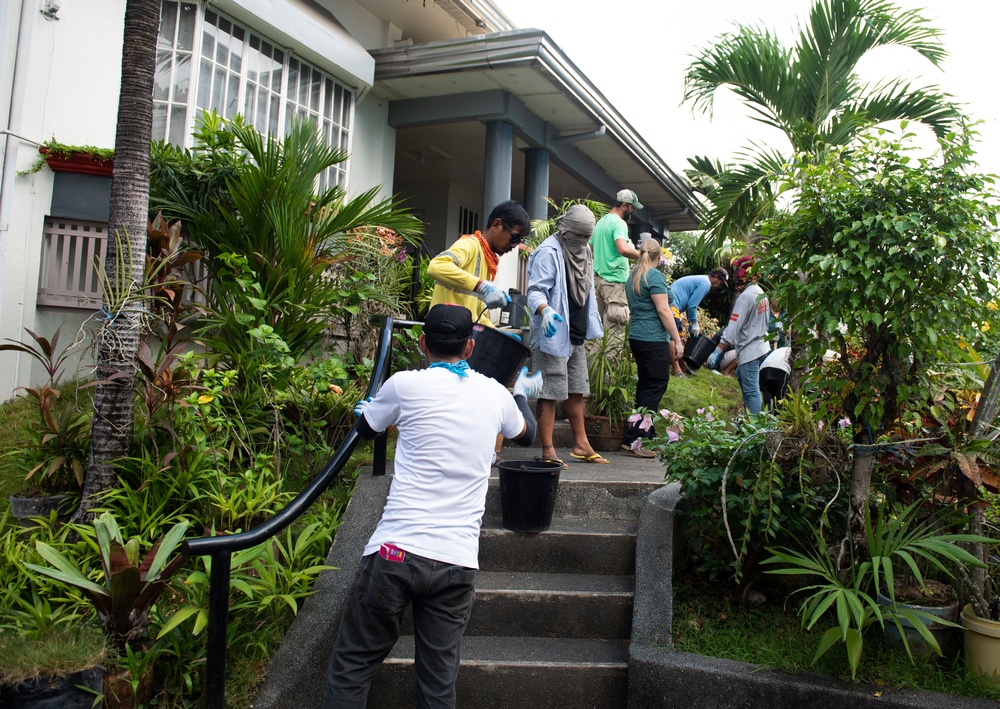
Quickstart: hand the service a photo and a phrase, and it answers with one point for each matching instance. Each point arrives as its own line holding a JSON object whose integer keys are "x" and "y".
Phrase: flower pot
{"x": 982, "y": 644}
{"x": 946, "y": 635}
{"x": 79, "y": 162}
{"x": 23, "y": 509}
{"x": 602, "y": 433}
{"x": 74, "y": 691}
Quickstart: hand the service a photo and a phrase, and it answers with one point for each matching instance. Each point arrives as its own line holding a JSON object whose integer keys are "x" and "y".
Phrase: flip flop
{"x": 553, "y": 460}
{"x": 592, "y": 458}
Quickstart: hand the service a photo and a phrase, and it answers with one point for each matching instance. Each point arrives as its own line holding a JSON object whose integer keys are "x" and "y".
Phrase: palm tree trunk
{"x": 118, "y": 339}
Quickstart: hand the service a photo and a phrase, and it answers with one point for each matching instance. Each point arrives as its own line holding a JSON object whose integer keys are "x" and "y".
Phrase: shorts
{"x": 562, "y": 376}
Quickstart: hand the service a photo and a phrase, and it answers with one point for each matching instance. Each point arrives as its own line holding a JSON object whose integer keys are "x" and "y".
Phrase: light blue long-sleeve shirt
{"x": 547, "y": 284}
{"x": 687, "y": 292}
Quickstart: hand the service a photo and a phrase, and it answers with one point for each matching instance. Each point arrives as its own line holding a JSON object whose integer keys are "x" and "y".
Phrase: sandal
{"x": 552, "y": 460}
{"x": 592, "y": 458}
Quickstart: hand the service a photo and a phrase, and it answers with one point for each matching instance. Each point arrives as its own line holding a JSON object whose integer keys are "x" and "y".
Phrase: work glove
{"x": 715, "y": 358}
{"x": 508, "y": 333}
{"x": 360, "y": 408}
{"x": 550, "y": 321}
{"x": 491, "y": 295}
{"x": 528, "y": 385}
{"x": 694, "y": 330}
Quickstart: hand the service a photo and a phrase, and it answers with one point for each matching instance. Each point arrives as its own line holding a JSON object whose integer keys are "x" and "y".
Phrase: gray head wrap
{"x": 575, "y": 227}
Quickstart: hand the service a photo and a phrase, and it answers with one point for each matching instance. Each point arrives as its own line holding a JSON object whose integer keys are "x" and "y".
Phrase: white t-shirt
{"x": 779, "y": 358}
{"x": 447, "y": 433}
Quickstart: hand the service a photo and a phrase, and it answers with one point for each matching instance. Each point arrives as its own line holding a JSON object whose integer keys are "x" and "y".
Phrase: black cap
{"x": 720, "y": 273}
{"x": 447, "y": 321}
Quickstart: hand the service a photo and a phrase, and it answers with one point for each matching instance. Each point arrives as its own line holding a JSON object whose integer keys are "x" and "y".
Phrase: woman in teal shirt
{"x": 651, "y": 334}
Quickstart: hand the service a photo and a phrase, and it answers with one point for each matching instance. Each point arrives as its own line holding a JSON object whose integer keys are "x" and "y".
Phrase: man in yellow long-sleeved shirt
{"x": 465, "y": 270}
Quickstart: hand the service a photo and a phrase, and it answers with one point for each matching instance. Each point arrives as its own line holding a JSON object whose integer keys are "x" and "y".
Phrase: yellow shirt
{"x": 457, "y": 271}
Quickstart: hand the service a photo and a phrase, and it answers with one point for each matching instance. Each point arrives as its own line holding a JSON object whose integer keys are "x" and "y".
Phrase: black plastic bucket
{"x": 528, "y": 494}
{"x": 697, "y": 350}
{"x": 497, "y": 355}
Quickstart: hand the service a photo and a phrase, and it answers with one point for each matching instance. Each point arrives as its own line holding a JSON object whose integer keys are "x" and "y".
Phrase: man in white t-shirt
{"x": 425, "y": 549}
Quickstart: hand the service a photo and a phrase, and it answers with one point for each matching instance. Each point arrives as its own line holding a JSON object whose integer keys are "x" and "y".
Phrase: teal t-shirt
{"x": 646, "y": 325}
{"x": 608, "y": 263}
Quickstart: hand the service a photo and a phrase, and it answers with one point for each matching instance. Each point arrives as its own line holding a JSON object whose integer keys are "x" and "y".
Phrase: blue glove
{"x": 528, "y": 385}
{"x": 360, "y": 408}
{"x": 491, "y": 295}
{"x": 550, "y": 321}
{"x": 694, "y": 330}
{"x": 511, "y": 334}
{"x": 715, "y": 358}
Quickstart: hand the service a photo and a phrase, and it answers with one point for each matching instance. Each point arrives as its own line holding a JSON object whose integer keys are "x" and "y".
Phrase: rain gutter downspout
{"x": 14, "y": 111}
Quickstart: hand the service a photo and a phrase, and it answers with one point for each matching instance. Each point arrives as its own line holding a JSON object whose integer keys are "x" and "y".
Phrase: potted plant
{"x": 54, "y": 456}
{"x": 128, "y": 588}
{"x": 981, "y": 617}
{"x": 81, "y": 159}
{"x": 611, "y": 371}
{"x": 897, "y": 541}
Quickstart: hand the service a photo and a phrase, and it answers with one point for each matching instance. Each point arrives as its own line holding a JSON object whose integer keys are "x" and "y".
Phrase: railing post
{"x": 218, "y": 630}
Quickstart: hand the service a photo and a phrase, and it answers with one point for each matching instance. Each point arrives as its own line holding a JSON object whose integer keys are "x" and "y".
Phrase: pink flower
{"x": 635, "y": 418}
{"x": 821, "y": 425}
{"x": 700, "y": 411}
{"x": 636, "y": 444}
{"x": 672, "y": 437}
{"x": 647, "y": 423}
{"x": 709, "y": 417}
{"x": 401, "y": 256}
{"x": 844, "y": 422}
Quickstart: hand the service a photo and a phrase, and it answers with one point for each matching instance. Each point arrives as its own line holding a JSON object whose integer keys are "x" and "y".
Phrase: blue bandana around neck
{"x": 460, "y": 367}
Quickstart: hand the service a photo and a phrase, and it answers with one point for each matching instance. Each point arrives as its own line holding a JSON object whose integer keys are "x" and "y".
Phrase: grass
{"x": 701, "y": 389}
{"x": 60, "y": 651}
{"x": 711, "y": 623}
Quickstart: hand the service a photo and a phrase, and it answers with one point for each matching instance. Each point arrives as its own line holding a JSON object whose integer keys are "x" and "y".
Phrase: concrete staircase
{"x": 553, "y": 613}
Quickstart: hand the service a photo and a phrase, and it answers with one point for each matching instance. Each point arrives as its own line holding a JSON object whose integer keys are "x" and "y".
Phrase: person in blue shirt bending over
{"x": 685, "y": 295}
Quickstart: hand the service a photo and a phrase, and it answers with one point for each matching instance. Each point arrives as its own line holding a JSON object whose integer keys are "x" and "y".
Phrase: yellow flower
{"x": 992, "y": 305}
{"x": 985, "y": 327}
{"x": 962, "y": 344}
{"x": 205, "y": 398}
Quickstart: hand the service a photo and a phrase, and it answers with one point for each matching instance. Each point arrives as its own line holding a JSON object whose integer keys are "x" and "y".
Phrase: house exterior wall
{"x": 85, "y": 42}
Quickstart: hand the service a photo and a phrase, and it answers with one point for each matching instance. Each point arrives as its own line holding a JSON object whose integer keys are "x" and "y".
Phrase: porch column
{"x": 498, "y": 165}
{"x": 536, "y": 182}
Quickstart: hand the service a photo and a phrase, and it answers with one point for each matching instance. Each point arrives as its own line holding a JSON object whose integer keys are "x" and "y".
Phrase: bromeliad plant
{"x": 130, "y": 583}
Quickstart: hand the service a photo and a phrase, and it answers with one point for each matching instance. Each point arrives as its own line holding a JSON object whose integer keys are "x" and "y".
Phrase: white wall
{"x": 373, "y": 147}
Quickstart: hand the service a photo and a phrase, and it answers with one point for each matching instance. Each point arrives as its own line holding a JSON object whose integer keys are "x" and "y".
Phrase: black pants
{"x": 773, "y": 386}
{"x": 652, "y": 363}
{"x": 441, "y": 595}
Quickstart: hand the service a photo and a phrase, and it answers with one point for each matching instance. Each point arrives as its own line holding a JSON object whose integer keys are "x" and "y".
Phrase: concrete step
{"x": 549, "y": 606}
{"x": 572, "y": 545}
{"x": 514, "y": 673}
{"x": 593, "y": 498}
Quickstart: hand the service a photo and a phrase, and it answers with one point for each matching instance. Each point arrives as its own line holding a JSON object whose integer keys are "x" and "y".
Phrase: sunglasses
{"x": 515, "y": 238}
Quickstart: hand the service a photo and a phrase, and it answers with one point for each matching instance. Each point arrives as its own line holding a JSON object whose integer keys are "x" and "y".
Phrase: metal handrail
{"x": 221, "y": 548}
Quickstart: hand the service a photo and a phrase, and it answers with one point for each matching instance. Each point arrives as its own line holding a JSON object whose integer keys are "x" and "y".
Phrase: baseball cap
{"x": 448, "y": 321}
{"x": 720, "y": 273}
{"x": 628, "y": 197}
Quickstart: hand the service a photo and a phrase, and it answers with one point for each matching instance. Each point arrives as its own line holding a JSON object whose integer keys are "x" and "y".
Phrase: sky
{"x": 636, "y": 51}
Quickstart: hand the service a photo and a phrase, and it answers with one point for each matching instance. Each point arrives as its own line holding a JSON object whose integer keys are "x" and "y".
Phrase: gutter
{"x": 529, "y": 48}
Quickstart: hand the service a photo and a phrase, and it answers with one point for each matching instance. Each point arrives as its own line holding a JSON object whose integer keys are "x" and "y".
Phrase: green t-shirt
{"x": 608, "y": 263}
{"x": 646, "y": 325}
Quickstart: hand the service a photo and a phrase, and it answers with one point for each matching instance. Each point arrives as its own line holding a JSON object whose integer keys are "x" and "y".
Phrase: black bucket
{"x": 528, "y": 494}
{"x": 497, "y": 355}
{"x": 697, "y": 350}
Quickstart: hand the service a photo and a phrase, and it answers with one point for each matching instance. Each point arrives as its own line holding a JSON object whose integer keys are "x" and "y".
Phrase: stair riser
{"x": 552, "y": 552}
{"x": 499, "y": 686}
{"x": 574, "y": 499}
{"x": 530, "y": 614}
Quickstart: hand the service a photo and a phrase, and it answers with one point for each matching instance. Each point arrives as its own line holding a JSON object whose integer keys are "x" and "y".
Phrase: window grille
{"x": 468, "y": 220}
{"x": 241, "y": 71}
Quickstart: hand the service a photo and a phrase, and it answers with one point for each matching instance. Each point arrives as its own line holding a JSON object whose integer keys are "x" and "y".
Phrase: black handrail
{"x": 221, "y": 548}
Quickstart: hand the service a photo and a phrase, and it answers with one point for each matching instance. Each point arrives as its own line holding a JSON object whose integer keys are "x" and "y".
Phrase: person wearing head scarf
{"x": 653, "y": 339}
{"x": 564, "y": 315}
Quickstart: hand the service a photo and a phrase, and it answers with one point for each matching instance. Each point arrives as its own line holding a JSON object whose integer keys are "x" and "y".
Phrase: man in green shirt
{"x": 612, "y": 250}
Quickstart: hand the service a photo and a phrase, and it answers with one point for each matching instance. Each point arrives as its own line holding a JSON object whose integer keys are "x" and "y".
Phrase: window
{"x": 468, "y": 220}
{"x": 239, "y": 71}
